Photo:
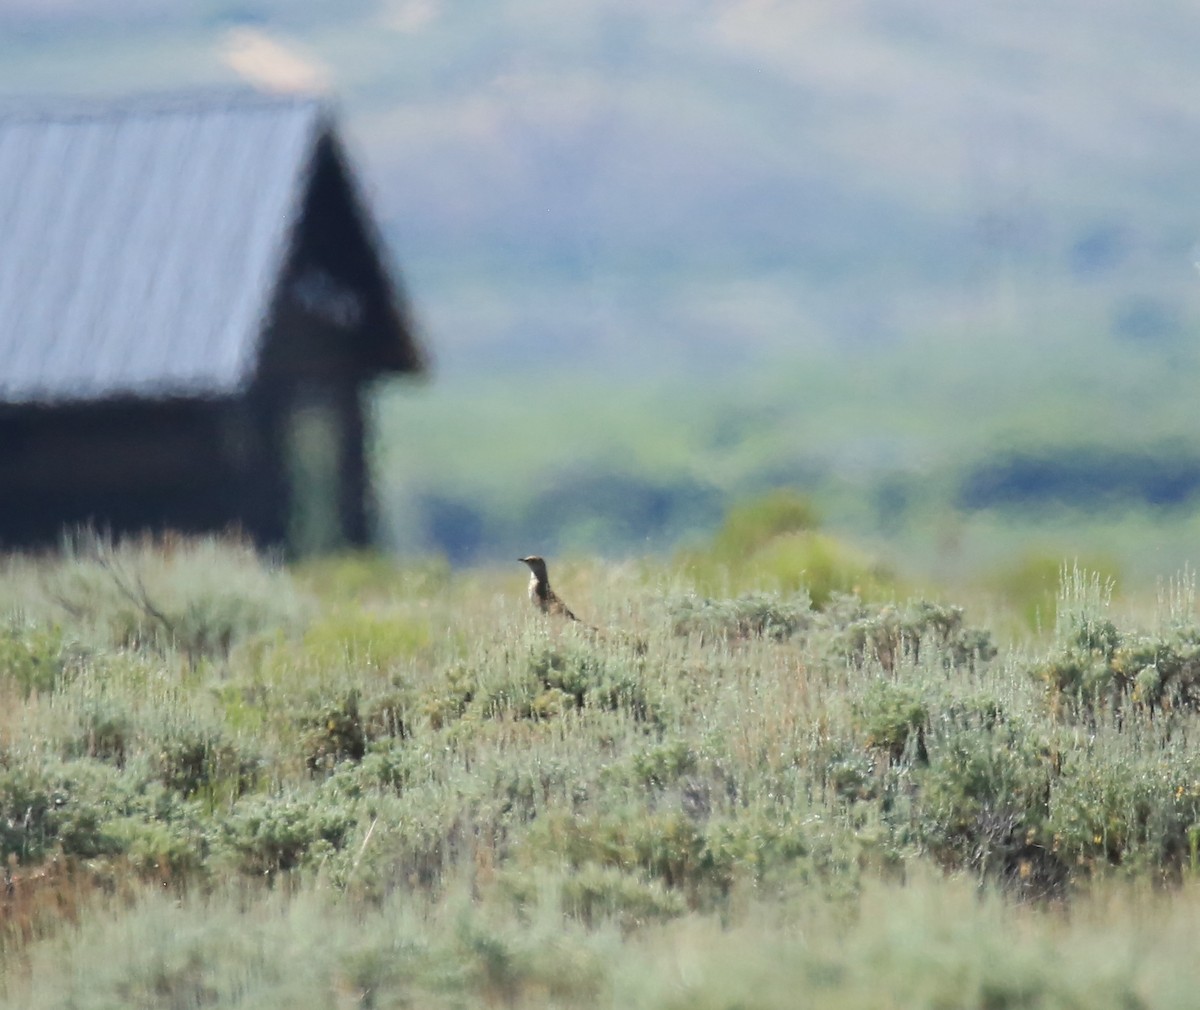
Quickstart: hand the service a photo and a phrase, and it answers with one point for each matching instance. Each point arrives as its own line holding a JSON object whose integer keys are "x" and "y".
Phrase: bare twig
{"x": 137, "y": 594}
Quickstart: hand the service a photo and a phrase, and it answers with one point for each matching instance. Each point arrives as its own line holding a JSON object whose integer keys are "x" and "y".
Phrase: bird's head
{"x": 536, "y": 564}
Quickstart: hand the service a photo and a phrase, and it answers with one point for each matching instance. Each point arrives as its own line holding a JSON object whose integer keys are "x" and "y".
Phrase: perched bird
{"x": 540, "y": 593}
{"x": 547, "y": 601}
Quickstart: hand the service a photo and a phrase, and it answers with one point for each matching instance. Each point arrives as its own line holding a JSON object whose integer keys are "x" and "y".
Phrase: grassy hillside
{"x": 225, "y": 784}
{"x": 949, "y": 458}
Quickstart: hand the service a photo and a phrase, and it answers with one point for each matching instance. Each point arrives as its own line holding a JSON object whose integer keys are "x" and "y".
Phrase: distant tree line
{"x": 1090, "y": 477}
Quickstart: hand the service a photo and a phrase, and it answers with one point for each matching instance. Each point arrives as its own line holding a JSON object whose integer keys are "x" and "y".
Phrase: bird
{"x": 540, "y": 593}
{"x": 547, "y": 601}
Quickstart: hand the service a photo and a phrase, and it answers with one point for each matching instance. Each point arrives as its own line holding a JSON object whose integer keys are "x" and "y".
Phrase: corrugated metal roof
{"x": 140, "y": 242}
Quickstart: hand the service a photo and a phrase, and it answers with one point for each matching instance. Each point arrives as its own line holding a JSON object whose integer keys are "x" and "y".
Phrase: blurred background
{"x": 930, "y": 267}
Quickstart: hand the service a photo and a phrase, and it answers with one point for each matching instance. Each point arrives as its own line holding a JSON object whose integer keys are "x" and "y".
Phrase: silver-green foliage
{"x": 380, "y": 757}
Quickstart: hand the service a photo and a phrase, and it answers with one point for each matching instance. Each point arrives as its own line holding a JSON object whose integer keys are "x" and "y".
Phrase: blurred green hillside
{"x": 932, "y": 265}
{"x": 944, "y": 459}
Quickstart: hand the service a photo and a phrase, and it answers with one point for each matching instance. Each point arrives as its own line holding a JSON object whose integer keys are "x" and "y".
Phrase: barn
{"x": 194, "y": 300}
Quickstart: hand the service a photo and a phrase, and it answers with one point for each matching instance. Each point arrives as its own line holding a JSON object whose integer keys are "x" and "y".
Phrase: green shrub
{"x": 388, "y": 764}
{"x": 198, "y": 596}
{"x": 1099, "y": 669}
{"x": 1161, "y": 672}
{"x": 890, "y": 633}
{"x": 36, "y": 658}
{"x": 447, "y": 699}
{"x": 548, "y": 681}
{"x": 756, "y": 847}
{"x": 851, "y": 774}
{"x": 894, "y": 718}
{"x": 754, "y": 615}
{"x": 270, "y": 834}
{"x": 340, "y": 727}
{"x": 663, "y": 764}
{"x": 1135, "y": 809}
{"x": 332, "y": 732}
{"x": 387, "y": 711}
{"x": 750, "y": 525}
{"x": 593, "y": 679}
{"x": 104, "y": 729}
{"x": 199, "y": 758}
{"x": 67, "y": 807}
{"x": 175, "y": 848}
{"x": 983, "y": 803}
{"x": 664, "y": 846}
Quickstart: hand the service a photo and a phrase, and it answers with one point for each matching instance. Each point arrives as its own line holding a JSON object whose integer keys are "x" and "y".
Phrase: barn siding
{"x": 124, "y": 467}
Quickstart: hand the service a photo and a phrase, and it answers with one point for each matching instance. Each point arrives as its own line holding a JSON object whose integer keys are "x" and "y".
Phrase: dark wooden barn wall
{"x": 123, "y": 466}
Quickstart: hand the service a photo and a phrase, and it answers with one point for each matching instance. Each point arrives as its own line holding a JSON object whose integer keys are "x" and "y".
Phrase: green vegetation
{"x": 348, "y": 784}
{"x": 773, "y": 543}
{"x": 903, "y": 453}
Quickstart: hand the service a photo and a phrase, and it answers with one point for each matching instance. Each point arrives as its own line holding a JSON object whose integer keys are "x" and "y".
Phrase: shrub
{"x": 1100, "y": 668}
{"x": 66, "y": 807}
{"x": 104, "y": 730}
{"x": 36, "y": 658}
{"x": 895, "y": 719}
{"x": 332, "y": 732}
{"x": 664, "y": 846}
{"x": 197, "y": 758}
{"x": 850, "y": 774}
{"x": 548, "y": 681}
{"x": 387, "y": 711}
{"x": 1137, "y": 811}
{"x": 888, "y": 634}
{"x": 662, "y": 764}
{"x": 447, "y": 699}
{"x": 340, "y": 727}
{"x": 983, "y": 803}
{"x": 269, "y": 834}
{"x": 387, "y": 765}
{"x": 754, "y": 615}
{"x": 200, "y": 596}
{"x": 172, "y": 848}
{"x": 593, "y": 679}
{"x": 757, "y": 847}
{"x": 1160, "y": 671}
{"x": 752, "y": 524}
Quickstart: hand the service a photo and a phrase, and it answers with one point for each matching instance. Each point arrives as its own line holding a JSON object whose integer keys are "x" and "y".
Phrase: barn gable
{"x": 192, "y": 297}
